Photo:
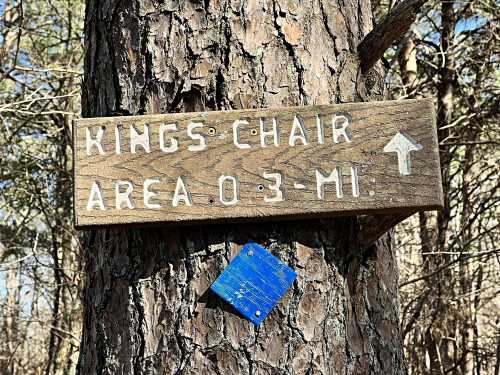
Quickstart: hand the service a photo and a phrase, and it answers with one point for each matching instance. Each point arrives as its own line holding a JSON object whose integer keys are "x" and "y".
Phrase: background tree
{"x": 450, "y": 276}
{"x": 40, "y": 54}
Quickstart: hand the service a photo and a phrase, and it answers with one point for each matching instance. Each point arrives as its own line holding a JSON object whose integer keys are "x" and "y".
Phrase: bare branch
{"x": 395, "y": 23}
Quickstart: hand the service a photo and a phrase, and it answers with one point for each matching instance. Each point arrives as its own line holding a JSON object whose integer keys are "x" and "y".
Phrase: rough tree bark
{"x": 148, "y": 309}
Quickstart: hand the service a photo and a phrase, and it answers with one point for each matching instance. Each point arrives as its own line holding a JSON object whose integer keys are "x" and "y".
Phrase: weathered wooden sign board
{"x": 304, "y": 161}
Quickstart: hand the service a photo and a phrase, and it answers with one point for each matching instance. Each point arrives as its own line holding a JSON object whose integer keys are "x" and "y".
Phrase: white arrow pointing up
{"x": 402, "y": 144}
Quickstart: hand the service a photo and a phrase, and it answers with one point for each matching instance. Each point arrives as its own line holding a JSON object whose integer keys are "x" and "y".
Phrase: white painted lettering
{"x": 181, "y": 193}
{"x": 236, "y": 190}
{"x": 174, "y": 144}
{"x": 321, "y": 130}
{"x": 94, "y": 142}
{"x": 274, "y": 132}
{"x": 236, "y": 134}
{"x": 302, "y": 137}
{"x": 339, "y": 128}
{"x": 354, "y": 181}
{"x": 149, "y": 194}
{"x": 139, "y": 139}
{"x": 278, "y": 197}
{"x": 196, "y": 137}
{"x": 123, "y": 196}
{"x": 118, "y": 146}
{"x": 95, "y": 197}
{"x": 335, "y": 176}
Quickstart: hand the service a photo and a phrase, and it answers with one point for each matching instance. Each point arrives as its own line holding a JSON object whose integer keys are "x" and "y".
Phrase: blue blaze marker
{"x": 254, "y": 282}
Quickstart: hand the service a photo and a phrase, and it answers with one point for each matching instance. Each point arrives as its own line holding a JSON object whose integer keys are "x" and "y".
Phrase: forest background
{"x": 449, "y": 262}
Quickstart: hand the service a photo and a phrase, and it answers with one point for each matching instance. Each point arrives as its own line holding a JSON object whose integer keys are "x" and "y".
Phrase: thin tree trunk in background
{"x": 445, "y": 115}
{"x": 63, "y": 254}
{"x": 468, "y": 272}
{"x": 497, "y": 363}
{"x": 468, "y": 313}
{"x": 407, "y": 58}
{"x": 11, "y": 316}
{"x": 447, "y": 76}
{"x": 148, "y": 308}
{"x": 54, "y": 337}
{"x": 434, "y": 227}
{"x": 478, "y": 331}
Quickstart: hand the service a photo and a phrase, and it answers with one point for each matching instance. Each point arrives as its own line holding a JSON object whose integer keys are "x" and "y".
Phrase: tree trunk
{"x": 407, "y": 58}
{"x": 434, "y": 227}
{"x": 148, "y": 309}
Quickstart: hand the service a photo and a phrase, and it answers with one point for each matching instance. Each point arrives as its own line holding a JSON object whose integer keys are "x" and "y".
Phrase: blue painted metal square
{"x": 254, "y": 282}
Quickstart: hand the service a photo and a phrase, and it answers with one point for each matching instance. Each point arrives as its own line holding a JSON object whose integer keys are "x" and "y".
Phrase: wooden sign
{"x": 282, "y": 162}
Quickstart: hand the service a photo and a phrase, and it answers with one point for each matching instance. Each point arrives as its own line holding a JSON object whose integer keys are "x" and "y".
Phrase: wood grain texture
{"x": 372, "y": 126}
